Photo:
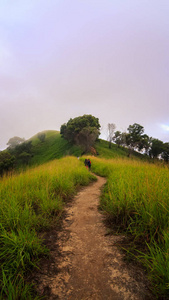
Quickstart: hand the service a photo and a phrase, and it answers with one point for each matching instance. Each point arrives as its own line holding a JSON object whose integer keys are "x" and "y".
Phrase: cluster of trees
{"x": 22, "y": 152}
{"x": 19, "y": 152}
{"x": 83, "y": 131}
{"x": 135, "y": 139}
{"x": 7, "y": 162}
{"x": 20, "y": 149}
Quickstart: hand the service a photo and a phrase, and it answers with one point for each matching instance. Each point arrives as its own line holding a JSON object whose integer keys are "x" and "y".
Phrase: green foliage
{"x": 135, "y": 136}
{"x": 119, "y": 138}
{"x": 136, "y": 197}
{"x": 13, "y": 142}
{"x": 157, "y": 147}
{"x": 157, "y": 263}
{"x": 25, "y": 157}
{"x": 41, "y": 137}
{"x": 30, "y": 202}
{"x": 6, "y": 162}
{"x": 82, "y": 130}
{"x": 22, "y": 153}
{"x": 35, "y": 152}
{"x": 102, "y": 148}
{"x": 134, "y": 139}
{"x": 165, "y": 153}
{"x": 53, "y": 147}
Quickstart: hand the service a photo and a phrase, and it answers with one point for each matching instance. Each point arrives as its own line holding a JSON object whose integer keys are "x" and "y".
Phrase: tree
{"x": 135, "y": 135}
{"x": 6, "y": 162}
{"x": 25, "y": 157}
{"x": 83, "y": 130}
{"x": 135, "y": 139}
{"x": 22, "y": 152}
{"x": 145, "y": 144}
{"x": 86, "y": 138}
{"x": 111, "y": 128}
{"x": 165, "y": 153}
{"x": 157, "y": 147}
{"x": 119, "y": 138}
{"x": 16, "y": 140}
{"x": 41, "y": 137}
{"x": 24, "y": 147}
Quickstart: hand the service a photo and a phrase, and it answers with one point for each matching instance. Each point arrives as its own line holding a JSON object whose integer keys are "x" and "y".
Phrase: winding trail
{"x": 85, "y": 262}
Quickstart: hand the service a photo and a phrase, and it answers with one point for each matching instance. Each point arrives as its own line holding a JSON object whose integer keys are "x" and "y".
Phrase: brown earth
{"x": 85, "y": 262}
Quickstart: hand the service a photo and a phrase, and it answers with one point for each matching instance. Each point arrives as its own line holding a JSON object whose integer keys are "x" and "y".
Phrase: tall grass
{"x": 29, "y": 201}
{"x": 136, "y": 197}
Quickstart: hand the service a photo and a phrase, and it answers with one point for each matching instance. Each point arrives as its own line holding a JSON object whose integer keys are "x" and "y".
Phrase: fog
{"x": 63, "y": 59}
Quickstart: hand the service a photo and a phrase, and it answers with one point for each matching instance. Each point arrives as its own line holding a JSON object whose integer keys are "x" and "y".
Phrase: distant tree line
{"x": 84, "y": 131}
{"x": 18, "y": 153}
{"x": 135, "y": 139}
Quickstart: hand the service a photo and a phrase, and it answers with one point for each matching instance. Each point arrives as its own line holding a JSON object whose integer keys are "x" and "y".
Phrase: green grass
{"x": 53, "y": 147}
{"x": 102, "y": 148}
{"x": 29, "y": 203}
{"x": 116, "y": 151}
{"x": 136, "y": 198}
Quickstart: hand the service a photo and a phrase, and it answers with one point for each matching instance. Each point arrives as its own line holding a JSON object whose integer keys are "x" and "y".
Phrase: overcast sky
{"x": 61, "y": 59}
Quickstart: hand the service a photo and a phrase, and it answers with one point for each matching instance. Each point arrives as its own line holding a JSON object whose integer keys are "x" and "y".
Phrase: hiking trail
{"x": 85, "y": 262}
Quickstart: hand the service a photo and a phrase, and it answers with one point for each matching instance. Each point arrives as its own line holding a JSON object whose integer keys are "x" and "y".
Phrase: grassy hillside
{"x": 54, "y": 146}
{"x": 116, "y": 151}
{"x": 135, "y": 198}
{"x": 49, "y": 145}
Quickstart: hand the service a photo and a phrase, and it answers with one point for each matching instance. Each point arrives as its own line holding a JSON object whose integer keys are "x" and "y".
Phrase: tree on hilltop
{"x": 120, "y": 138}
{"x": 135, "y": 134}
{"x": 41, "y": 137}
{"x": 157, "y": 148}
{"x": 83, "y": 131}
{"x": 16, "y": 140}
{"x": 165, "y": 153}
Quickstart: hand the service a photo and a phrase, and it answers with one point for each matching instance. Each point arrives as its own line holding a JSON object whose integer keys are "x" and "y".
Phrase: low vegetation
{"x": 136, "y": 199}
{"x": 29, "y": 203}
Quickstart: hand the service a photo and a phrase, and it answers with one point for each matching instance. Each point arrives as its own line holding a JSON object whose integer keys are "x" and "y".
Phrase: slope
{"x": 53, "y": 147}
{"x": 48, "y": 145}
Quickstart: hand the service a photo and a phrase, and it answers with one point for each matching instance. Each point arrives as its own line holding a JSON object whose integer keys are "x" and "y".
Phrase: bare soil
{"x": 85, "y": 262}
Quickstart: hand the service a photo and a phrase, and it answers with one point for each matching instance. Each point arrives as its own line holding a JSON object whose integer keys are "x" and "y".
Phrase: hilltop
{"x": 55, "y": 147}
{"x": 48, "y": 145}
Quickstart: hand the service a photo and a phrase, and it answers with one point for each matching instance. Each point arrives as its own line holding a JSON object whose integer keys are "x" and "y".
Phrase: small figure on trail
{"x": 86, "y": 163}
{"x": 89, "y": 163}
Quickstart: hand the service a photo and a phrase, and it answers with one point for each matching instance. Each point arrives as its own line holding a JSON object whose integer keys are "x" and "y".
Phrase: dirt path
{"x": 85, "y": 262}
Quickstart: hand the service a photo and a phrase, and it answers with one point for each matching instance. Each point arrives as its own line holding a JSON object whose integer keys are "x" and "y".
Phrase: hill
{"x": 54, "y": 146}
{"x": 51, "y": 148}
{"x": 49, "y": 145}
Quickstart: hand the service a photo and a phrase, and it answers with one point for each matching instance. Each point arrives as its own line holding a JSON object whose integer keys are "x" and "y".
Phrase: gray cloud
{"x": 62, "y": 59}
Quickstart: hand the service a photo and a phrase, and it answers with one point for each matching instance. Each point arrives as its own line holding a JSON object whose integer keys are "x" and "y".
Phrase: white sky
{"x": 60, "y": 59}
